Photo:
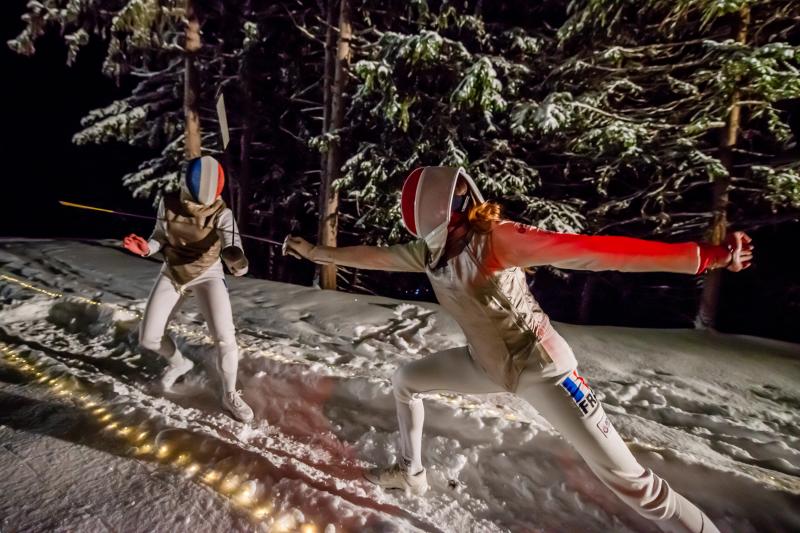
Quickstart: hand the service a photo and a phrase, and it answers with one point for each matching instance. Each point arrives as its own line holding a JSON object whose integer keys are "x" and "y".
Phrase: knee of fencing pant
{"x": 163, "y": 345}
{"x": 401, "y": 385}
{"x": 648, "y": 494}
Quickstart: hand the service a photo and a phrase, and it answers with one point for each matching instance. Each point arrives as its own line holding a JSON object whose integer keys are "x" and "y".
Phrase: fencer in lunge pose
{"x": 475, "y": 263}
{"x": 196, "y": 233}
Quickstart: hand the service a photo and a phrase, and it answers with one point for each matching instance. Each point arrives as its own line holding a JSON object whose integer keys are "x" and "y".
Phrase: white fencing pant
{"x": 592, "y": 435}
{"x": 215, "y": 305}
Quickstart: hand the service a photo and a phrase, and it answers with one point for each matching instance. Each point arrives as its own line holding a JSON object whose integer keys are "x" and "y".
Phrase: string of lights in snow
{"x": 233, "y": 485}
{"x": 500, "y": 411}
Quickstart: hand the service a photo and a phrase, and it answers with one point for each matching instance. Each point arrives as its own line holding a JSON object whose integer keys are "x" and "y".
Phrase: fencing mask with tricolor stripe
{"x": 427, "y": 199}
{"x": 204, "y": 180}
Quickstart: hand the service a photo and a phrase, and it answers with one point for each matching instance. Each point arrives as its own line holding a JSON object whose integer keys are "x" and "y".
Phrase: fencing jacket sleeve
{"x": 409, "y": 257}
{"x": 232, "y": 251}
{"x": 159, "y": 235}
{"x": 521, "y": 245}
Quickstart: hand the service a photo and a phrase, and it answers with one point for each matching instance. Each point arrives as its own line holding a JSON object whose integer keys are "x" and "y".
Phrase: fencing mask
{"x": 204, "y": 180}
{"x": 427, "y": 198}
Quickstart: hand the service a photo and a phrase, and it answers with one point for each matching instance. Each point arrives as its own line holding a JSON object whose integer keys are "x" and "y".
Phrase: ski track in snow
{"x": 716, "y": 415}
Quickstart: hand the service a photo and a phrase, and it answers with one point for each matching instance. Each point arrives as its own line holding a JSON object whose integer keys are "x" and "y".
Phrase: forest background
{"x": 674, "y": 120}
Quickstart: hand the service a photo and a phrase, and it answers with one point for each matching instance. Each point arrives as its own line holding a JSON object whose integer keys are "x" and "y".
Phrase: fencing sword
{"x": 152, "y": 218}
{"x": 225, "y": 134}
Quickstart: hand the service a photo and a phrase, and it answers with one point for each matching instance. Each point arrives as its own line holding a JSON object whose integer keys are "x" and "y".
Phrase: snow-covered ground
{"x": 87, "y": 444}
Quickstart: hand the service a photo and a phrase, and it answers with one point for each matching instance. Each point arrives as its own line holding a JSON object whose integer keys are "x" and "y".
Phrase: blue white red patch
{"x": 578, "y": 389}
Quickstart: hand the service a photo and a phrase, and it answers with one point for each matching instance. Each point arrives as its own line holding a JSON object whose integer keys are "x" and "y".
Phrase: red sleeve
{"x": 711, "y": 254}
{"x": 521, "y": 245}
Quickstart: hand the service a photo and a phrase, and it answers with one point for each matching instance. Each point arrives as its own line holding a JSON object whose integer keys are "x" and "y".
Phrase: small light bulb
{"x": 230, "y": 483}
{"x": 246, "y": 494}
{"x": 163, "y": 451}
{"x": 261, "y": 511}
{"x": 212, "y": 476}
{"x": 182, "y": 459}
{"x": 283, "y": 524}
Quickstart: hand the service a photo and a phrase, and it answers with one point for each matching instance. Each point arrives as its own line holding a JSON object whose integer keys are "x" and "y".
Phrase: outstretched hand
{"x": 297, "y": 247}
{"x": 741, "y": 248}
{"x": 136, "y": 244}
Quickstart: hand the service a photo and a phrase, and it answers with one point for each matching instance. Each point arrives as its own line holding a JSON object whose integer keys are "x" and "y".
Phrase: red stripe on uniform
{"x": 220, "y": 180}
{"x": 407, "y": 199}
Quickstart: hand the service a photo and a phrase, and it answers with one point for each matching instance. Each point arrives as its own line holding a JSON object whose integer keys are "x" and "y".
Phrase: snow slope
{"x": 87, "y": 444}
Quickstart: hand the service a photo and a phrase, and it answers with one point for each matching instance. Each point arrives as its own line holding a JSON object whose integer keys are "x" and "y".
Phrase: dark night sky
{"x": 42, "y": 104}
{"x": 43, "y": 101}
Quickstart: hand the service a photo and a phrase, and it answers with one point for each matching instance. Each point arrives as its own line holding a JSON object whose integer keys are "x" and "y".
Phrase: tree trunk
{"x": 245, "y": 74}
{"x": 709, "y": 302}
{"x": 191, "y": 84}
{"x": 585, "y": 307}
{"x": 245, "y": 146}
{"x": 329, "y": 197}
{"x": 327, "y": 83}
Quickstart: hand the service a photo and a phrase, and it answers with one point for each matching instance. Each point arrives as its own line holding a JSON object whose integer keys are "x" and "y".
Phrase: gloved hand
{"x": 235, "y": 260}
{"x": 136, "y": 244}
{"x": 735, "y": 254}
{"x": 298, "y": 247}
{"x": 741, "y": 248}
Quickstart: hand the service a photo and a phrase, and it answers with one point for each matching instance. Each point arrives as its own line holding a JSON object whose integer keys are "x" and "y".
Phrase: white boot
{"x": 232, "y": 402}
{"x": 397, "y": 477}
{"x": 178, "y": 366}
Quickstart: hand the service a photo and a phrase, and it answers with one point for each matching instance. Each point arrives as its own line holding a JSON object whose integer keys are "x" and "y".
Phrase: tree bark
{"x": 192, "y": 45}
{"x": 245, "y": 147}
{"x": 585, "y": 306}
{"x": 249, "y": 124}
{"x": 327, "y": 83}
{"x": 329, "y": 197}
{"x": 709, "y": 302}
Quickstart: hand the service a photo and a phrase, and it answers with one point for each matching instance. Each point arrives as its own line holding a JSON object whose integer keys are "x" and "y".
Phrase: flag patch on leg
{"x": 578, "y": 389}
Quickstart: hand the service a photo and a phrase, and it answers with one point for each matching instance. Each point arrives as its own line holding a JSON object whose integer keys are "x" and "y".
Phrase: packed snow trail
{"x": 716, "y": 415}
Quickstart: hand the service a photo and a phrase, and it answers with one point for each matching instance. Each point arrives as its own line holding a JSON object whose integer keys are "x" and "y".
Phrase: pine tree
{"x": 437, "y": 86}
{"x": 672, "y": 106}
{"x": 257, "y": 54}
{"x": 597, "y": 116}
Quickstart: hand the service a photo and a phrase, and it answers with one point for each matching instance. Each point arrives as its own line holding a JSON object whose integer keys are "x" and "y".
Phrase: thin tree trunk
{"x": 585, "y": 307}
{"x": 246, "y": 144}
{"x": 191, "y": 84}
{"x": 246, "y": 140}
{"x": 327, "y": 83}
{"x": 709, "y": 301}
{"x": 329, "y": 199}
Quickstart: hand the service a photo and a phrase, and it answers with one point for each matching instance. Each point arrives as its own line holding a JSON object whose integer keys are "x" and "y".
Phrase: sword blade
{"x": 155, "y": 219}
